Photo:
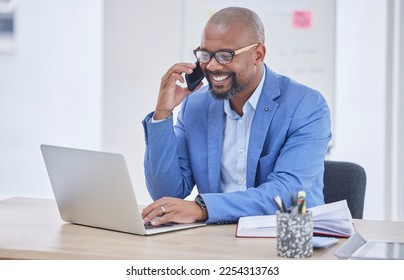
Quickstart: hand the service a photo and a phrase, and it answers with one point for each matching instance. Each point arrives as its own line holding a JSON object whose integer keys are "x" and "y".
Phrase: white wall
{"x": 360, "y": 102}
{"x": 395, "y": 112}
{"x": 50, "y": 89}
{"x": 141, "y": 43}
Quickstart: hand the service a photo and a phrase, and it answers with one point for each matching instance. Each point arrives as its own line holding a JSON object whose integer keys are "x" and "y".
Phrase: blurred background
{"x": 84, "y": 74}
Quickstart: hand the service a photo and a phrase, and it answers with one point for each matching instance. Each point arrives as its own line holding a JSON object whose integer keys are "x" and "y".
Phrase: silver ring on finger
{"x": 163, "y": 210}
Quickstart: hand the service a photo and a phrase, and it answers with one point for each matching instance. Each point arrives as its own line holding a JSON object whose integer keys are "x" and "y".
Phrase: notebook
{"x": 94, "y": 189}
{"x": 331, "y": 219}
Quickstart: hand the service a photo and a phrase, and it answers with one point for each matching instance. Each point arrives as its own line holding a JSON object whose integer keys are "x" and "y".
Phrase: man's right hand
{"x": 171, "y": 94}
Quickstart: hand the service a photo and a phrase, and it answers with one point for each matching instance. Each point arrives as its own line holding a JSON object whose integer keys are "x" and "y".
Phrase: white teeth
{"x": 219, "y": 78}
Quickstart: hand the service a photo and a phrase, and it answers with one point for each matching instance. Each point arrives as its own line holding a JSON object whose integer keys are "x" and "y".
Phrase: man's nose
{"x": 213, "y": 65}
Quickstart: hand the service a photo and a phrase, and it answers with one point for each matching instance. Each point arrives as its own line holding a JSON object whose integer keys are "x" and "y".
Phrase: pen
{"x": 283, "y": 206}
{"x": 279, "y": 203}
{"x": 301, "y": 202}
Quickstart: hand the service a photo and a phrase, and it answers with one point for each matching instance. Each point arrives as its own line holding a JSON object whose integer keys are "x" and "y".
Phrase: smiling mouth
{"x": 220, "y": 78}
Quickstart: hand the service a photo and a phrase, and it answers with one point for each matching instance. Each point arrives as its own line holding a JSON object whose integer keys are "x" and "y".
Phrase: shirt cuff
{"x": 152, "y": 120}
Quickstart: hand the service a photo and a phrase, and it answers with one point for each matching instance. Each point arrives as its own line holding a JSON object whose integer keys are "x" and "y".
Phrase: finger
{"x": 170, "y": 79}
{"x": 161, "y": 220}
{"x": 155, "y": 209}
{"x": 179, "y": 69}
{"x": 156, "y": 212}
{"x": 177, "y": 77}
{"x": 163, "y": 210}
{"x": 183, "y": 67}
{"x": 166, "y": 218}
{"x": 147, "y": 211}
{"x": 155, "y": 204}
{"x": 168, "y": 83}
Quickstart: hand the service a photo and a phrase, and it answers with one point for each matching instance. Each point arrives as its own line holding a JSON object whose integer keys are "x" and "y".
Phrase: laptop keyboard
{"x": 150, "y": 226}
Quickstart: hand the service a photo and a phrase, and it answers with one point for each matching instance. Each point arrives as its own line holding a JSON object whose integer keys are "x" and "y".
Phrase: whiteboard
{"x": 299, "y": 36}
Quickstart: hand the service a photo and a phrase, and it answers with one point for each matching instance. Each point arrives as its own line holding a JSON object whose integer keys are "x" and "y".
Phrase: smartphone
{"x": 195, "y": 77}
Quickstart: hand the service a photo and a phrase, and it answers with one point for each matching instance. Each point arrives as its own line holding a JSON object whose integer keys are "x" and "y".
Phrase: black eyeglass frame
{"x": 231, "y": 52}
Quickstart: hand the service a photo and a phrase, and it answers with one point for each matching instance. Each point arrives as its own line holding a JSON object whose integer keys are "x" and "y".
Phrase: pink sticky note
{"x": 302, "y": 19}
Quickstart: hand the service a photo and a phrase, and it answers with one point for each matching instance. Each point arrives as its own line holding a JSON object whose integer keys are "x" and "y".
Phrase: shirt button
{"x": 241, "y": 151}
{"x": 241, "y": 180}
{"x": 241, "y": 122}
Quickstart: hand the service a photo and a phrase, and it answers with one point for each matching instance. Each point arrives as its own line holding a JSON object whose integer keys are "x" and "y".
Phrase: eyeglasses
{"x": 223, "y": 57}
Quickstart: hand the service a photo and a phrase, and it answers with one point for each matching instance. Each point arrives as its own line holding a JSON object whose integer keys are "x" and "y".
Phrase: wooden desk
{"x": 32, "y": 229}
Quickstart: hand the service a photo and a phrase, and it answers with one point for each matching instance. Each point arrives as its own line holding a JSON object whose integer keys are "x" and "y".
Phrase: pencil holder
{"x": 294, "y": 234}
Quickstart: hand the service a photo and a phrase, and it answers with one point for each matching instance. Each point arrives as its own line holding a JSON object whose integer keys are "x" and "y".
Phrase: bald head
{"x": 239, "y": 33}
{"x": 236, "y": 16}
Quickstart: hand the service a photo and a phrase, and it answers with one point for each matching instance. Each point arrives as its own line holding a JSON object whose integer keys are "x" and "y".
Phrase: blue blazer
{"x": 288, "y": 142}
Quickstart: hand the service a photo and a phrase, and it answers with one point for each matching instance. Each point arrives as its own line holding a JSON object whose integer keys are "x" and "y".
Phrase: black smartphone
{"x": 195, "y": 77}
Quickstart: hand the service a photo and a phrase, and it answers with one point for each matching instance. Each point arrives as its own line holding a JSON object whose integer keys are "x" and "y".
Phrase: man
{"x": 248, "y": 137}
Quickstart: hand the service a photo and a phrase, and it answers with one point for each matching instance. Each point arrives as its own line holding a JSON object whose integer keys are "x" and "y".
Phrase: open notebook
{"x": 332, "y": 219}
{"x": 94, "y": 189}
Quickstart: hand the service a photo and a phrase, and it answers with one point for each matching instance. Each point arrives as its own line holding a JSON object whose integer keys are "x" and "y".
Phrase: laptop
{"x": 94, "y": 189}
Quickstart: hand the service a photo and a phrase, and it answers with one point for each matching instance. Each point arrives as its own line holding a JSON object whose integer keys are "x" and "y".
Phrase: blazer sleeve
{"x": 163, "y": 173}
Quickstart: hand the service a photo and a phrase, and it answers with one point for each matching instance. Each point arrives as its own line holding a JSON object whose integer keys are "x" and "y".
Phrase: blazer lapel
{"x": 215, "y": 142}
{"x": 263, "y": 116}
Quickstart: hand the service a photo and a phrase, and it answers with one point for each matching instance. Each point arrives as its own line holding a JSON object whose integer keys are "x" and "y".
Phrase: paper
{"x": 302, "y": 19}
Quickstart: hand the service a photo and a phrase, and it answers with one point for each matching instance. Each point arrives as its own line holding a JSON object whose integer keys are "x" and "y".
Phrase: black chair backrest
{"x": 345, "y": 180}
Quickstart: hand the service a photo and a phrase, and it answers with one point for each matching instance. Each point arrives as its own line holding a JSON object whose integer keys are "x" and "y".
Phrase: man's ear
{"x": 260, "y": 52}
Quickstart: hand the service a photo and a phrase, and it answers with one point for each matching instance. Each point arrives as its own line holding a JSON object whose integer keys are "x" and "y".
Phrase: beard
{"x": 235, "y": 86}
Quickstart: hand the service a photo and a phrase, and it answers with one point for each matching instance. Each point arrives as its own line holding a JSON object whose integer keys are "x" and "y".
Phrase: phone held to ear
{"x": 195, "y": 77}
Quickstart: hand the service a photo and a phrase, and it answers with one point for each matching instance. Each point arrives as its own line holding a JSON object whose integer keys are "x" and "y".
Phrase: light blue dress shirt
{"x": 235, "y": 143}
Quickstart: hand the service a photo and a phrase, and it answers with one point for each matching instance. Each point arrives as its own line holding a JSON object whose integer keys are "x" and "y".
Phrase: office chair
{"x": 345, "y": 180}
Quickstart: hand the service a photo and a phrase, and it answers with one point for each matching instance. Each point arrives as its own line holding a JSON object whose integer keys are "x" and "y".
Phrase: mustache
{"x": 218, "y": 73}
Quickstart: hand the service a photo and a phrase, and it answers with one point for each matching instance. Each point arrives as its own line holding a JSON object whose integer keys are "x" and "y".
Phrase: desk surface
{"x": 31, "y": 228}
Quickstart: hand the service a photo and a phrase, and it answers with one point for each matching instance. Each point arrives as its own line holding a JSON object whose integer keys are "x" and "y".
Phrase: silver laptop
{"x": 94, "y": 189}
